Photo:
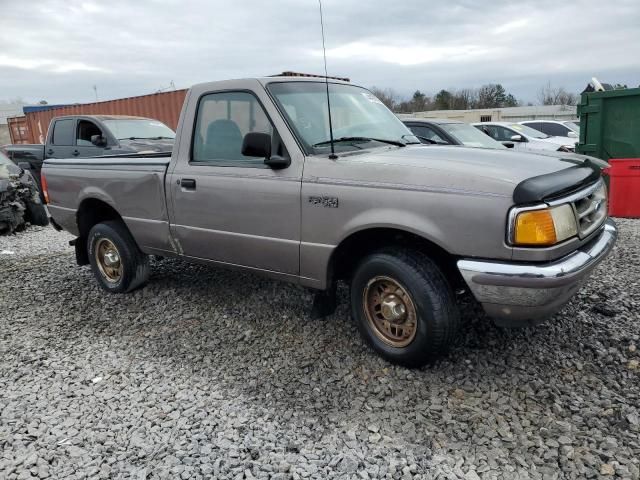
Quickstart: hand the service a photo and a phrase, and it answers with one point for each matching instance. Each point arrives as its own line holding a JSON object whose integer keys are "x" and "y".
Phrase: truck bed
{"x": 133, "y": 185}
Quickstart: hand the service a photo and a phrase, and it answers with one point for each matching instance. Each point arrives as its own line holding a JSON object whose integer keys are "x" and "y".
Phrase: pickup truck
{"x": 92, "y": 136}
{"x": 256, "y": 183}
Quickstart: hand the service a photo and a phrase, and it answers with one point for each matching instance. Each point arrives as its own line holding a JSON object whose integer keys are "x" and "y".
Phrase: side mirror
{"x": 256, "y": 144}
{"x": 508, "y": 144}
{"x": 277, "y": 162}
{"x": 517, "y": 138}
{"x": 572, "y": 134}
{"x": 24, "y": 165}
{"x": 98, "y": 140}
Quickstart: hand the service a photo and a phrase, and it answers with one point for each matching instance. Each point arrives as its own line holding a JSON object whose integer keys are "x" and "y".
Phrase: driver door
{"x": 230, "y": 208}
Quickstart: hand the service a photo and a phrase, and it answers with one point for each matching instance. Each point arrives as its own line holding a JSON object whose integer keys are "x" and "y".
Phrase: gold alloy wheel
{"x": 108, "y": 260}
{"x": 390, "y": 311}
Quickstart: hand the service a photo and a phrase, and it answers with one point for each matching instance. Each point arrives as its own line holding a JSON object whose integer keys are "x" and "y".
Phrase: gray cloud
{"x": 58, "y": 49}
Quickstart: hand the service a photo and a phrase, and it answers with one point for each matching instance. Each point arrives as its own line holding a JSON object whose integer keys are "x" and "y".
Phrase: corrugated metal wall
{"x": 18, "y": 130}
{"x": 164, "y": 106}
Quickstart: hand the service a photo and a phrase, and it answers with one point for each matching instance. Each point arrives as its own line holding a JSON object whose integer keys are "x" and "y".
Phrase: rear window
{"x": 63, "y": 132}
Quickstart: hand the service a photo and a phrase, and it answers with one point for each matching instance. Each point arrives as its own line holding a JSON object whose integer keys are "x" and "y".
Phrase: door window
{"x": 539, "y": 126}
{"x": 85, "y": 131}
{"x": 498, "y": 133}
{"x": 427, "y": 134}
{"x": 63, "y": 132}
{"x": 555, "y": 129}
{"x": 223, "y": 119}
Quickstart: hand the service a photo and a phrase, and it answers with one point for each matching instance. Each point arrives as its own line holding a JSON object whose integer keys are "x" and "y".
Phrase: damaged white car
{"x": 20, "y": 201}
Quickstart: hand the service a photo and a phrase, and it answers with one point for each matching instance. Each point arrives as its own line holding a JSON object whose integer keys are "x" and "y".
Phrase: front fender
{"x": 397, "y": 219}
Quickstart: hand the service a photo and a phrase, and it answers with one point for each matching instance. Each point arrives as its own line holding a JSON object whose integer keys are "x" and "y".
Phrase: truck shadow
{"x": 250, "y": 324}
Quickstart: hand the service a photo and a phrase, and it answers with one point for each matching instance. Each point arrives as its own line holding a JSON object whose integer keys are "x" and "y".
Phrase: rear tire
{"x": 116, "y": 261}
{"x": 404, "y": 306}
{"x": 36, "y": 214}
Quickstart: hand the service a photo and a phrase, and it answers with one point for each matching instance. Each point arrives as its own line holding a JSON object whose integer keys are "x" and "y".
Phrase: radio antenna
{"x": 333, "y": 155}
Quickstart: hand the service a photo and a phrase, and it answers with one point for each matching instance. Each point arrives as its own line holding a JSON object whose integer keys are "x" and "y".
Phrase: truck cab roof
{"x": 266, "y": 80}
{"x": 103, "y": 117}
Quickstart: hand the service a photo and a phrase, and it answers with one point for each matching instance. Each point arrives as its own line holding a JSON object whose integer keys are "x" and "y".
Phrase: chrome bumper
{"x": 518, "y": 294}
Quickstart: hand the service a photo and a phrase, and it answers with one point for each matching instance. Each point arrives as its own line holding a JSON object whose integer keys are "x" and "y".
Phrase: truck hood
{"x": 576, "y": 158}
{"x": 459, "y": 168}
{"x": 146, "y": 145}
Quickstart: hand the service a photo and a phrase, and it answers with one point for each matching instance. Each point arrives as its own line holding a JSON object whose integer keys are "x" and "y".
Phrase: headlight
{"x": 543, "y": 227}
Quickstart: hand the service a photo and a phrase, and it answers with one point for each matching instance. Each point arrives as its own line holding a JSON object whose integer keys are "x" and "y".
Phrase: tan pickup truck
{"x": 252, "y": 183}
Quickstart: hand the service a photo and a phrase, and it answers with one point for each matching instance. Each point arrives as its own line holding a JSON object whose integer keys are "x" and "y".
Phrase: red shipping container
{"x": 165, "y": 106}
{"x": 624, "y": 192}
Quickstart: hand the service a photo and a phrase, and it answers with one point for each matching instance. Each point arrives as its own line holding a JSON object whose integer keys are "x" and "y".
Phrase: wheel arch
{"x": 90, "y": 212}
{"x": 354, "y": 247}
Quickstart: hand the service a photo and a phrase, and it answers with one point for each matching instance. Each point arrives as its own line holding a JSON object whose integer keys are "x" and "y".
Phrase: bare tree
{"x": 386, "y": 96}
{"x": 464, "y": 99}
{"x": 419, "y": 102}
{"x": 492, "y": 95}
{"x": 549, "y": 95}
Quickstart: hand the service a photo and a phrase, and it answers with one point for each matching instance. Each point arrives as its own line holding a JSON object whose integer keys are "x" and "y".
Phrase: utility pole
{"x": 95, "y": 90}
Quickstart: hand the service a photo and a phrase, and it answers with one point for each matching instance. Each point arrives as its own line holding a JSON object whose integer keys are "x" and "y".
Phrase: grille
{"x": 591, "y": 209}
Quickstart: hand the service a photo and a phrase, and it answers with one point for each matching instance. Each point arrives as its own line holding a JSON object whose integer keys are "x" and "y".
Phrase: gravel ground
{"x": 213, "y": 374}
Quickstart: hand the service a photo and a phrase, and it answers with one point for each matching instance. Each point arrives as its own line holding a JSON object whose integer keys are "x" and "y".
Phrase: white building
{"x": 507, "y": 114}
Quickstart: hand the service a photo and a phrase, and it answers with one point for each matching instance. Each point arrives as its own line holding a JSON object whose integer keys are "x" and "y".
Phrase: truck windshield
{"x": 470, "y": 136}
{"x": 358, "y": 118}
{"x": 139, "y": 129}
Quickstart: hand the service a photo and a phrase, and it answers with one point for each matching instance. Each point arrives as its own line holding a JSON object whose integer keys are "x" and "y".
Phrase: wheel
{"x": 404, "y": 306}
{"x": 36, "y": 213}
{"x": 116, "y": 261}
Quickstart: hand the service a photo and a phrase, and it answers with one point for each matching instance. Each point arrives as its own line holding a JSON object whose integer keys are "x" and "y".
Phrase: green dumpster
{"x": 610, "y": 124}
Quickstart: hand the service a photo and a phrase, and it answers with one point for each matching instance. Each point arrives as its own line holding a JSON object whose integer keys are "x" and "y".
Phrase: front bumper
{"x": 521, "y": 294}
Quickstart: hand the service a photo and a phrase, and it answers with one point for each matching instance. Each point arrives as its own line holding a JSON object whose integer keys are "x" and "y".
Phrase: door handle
{"x": 50, "y": 151}
{"x": 188, "y": 183}
{"x": 75, "y": 153}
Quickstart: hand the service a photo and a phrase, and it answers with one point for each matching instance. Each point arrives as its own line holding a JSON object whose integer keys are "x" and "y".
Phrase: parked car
{"x": 443, "y": 131}
{"x": 94, "y": 135}
{"x": 525, "y": 138}
{"x": 453, "y": 132}
{"x": 19, "y": 199}
{"x": 555, "y": 128}
{"x": 255, "y": 182}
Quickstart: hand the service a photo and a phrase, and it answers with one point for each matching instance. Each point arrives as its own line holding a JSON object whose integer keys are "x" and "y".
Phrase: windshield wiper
{"x": 361, "y": 139}
{"x": 428, "y": 140}
{"x": 410, "y": 135}
{"x": 147, "y": 138}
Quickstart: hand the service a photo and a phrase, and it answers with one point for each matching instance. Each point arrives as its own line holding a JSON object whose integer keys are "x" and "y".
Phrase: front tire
{"x": 116, "y": 261}
{"x": 404, "y": 306}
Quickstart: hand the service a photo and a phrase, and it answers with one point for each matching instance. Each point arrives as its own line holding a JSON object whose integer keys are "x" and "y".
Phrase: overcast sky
{"x": 58, "y": 49}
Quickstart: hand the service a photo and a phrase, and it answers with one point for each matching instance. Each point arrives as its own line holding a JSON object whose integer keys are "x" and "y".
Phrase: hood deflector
{"x": 556, "y": 184}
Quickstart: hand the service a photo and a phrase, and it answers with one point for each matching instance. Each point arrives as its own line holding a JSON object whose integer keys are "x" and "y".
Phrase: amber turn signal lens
{"x": 45, "y": 188}
{"x": 535, "y": 228}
